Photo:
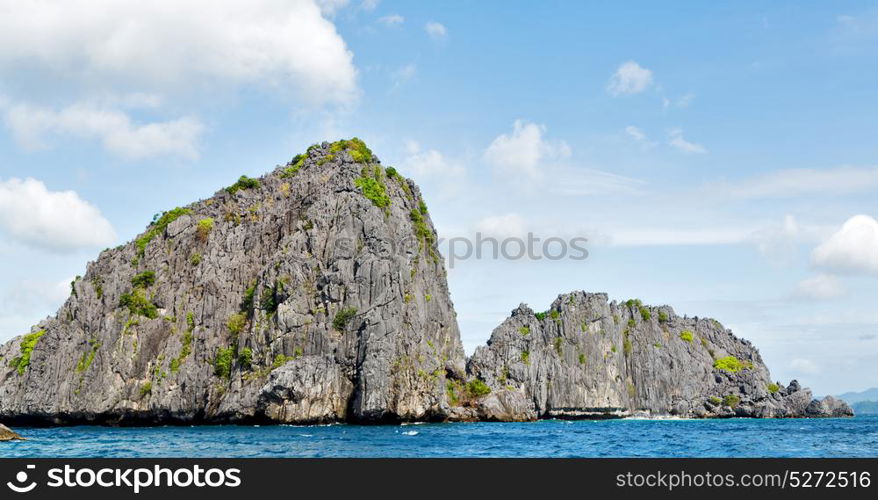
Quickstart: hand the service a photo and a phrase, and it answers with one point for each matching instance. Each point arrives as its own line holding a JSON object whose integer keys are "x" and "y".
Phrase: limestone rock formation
{"x": 317, "y": 294}
{"x": 589, "y": 358}
{"x": 313, "y": 294}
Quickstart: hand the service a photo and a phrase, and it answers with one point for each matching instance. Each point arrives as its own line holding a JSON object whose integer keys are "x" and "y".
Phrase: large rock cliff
{"x": 317, "y": 294}
{"x": 313, "y": 294}
{"x": 589, "y": 358}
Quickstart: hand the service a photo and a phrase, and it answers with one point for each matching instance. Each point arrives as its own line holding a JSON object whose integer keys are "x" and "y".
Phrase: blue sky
{"x": 720, "y": 157}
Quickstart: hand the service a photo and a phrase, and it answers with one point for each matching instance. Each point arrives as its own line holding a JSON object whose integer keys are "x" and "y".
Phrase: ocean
{"x": 853, "y": 437}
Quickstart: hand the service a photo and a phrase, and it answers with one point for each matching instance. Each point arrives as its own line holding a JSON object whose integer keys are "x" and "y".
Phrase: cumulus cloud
{"x": 431, "y": 167}
{"x": 852, "y": 249}
{"x": 676, "y": 140}
{"x": 806, "y": 181}
{"x": 285, "y": 46}
{"x": 524, "y": 150}
{"x": 821, "y": 287}
{"x": 54, "y": 220}
{"x": 32, "y": 126}
{"x": 391, "y": 20}
{"x": 629, "y": 78}
{"x": 436, "y": 30}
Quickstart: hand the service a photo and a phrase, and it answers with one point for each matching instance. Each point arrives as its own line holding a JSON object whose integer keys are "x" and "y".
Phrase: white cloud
{"x": 778, "y": 242}
{"x": 524, "y": 151}
{"x": 674, "y": 236}
{"x": 31, "y": 125}
{"x": 806, "y": 181}
{"x": 331, "y": 7}
{"x": 852, "y": 249}
{"x": 436, "y": 30}
{"x": 432, "y": 167}
{"x": 821, "y": 287}
{"x": 860, "y": 27}
{"x": 282, "y": 46}
{"x": 369, "y": 4}
{"x": 681, "y": 102}
{"x": 578, "y": 181}
{"x": 676, "y": 139}
{"x": 54, "y": 220}
{"x": 391, "y": 20}
{"x": 503, "y": 226}
{"x": 635, "y": 133}
{"x": 629, "y": 78}
{"x": 804, "y": 366}
{"x": 403, "y": 74}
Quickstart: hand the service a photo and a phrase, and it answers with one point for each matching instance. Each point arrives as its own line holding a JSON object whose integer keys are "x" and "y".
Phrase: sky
{"x": 720, "y": 157}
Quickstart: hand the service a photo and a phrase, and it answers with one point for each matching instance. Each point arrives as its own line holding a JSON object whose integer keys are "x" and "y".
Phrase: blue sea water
{"x": 854, "y": 437}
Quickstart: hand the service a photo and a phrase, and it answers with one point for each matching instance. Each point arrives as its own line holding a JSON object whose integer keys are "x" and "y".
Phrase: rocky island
{"x": 317, "y": 294}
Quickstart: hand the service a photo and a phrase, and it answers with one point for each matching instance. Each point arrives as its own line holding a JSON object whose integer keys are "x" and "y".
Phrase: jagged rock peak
{"x": 312, "y": 294}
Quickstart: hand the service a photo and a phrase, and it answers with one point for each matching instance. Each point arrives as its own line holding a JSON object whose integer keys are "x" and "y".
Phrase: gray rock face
{"x": 590, "y": 358}
{"x": 317, "y": 294}
{"x": 296, "y": 298}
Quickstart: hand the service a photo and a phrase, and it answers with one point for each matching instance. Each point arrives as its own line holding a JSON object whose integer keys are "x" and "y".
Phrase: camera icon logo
{"x": 21, "y": 478}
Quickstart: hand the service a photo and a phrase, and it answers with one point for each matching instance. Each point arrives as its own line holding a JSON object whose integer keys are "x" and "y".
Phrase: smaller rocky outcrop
{"x": 589, "y": 358}
{"x": 7, "y": 434}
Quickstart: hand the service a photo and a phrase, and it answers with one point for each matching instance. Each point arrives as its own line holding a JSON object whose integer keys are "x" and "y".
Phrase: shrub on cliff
{"x": 243, "y": 183}
{"x": 730, "y": 364}
{"x": 28, "y": 343}
{"x": 343, "y": 317}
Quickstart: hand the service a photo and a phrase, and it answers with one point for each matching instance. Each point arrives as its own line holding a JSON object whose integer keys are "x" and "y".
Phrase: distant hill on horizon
{"x": 866, "y": 408}
{"x": 857, "y": 397}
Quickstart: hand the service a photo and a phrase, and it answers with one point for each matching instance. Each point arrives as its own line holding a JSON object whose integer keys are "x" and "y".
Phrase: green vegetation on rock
{"x": 245, "y": 358}
{"x": 158, "y": 227}
{"x": 138, "y": 304}
{"x": 730, "y": 364}
{"x": 524, "y": 330}
{"x": 26, "y": 347}
{"x": 236, "y": 323}
{"x": 294, "y": 166}
{"x": 343, "y": 317}
{"x": 476, "y": 388}
{"x": 205, "y": 226}
{"x": 687, "y": 335}
{"x": 146, "y": 389}
{"x": 773, "y": 388}
{"x": 243, "y": 183}
{"x": 374, "y": 190}
{"x": 87, "y": 358}
{"x": 145, "y": 279}
{"x": 731, "y": 400}
{"x": 222, "y": 364}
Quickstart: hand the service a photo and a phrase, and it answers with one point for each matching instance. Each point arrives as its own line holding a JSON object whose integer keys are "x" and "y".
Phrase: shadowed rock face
{"x": 317, "y": 294}
{"x": 590, "y": 358}
{"x": 294, "y": 299}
